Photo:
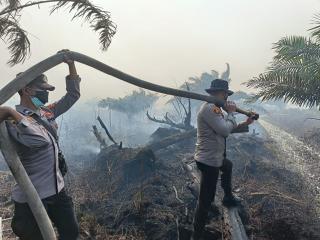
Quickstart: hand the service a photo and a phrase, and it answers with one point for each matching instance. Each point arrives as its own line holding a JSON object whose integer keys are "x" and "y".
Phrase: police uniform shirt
{"x": 212, "y": 129}
{"x": 37, "y": 148}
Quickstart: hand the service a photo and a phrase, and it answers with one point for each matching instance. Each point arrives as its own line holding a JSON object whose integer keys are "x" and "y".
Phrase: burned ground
{"x": 142, "y": 195}
{"x": 134, "y": 193}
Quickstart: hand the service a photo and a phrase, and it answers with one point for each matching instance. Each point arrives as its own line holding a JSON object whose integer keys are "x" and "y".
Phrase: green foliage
{"x": 12, "y": 33}
{"x": 294, "y": 74}
{"x": 16, "y": 38}
{"x": 136, "y": 102}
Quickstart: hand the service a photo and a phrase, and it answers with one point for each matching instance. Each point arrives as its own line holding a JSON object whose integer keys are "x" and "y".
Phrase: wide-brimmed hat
{"x": 219, "y": 85}
{"x": 41, "y": 83}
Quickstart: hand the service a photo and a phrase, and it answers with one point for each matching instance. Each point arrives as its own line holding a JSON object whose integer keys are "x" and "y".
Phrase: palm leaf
{"x": 16, "y": 38}
{"x": 100, "y": 20}
{"x": 315, "y": 31}
{"x": 294, "y": 74}
{"x": 296, "y": 47}
{"x": 10, "y": 3}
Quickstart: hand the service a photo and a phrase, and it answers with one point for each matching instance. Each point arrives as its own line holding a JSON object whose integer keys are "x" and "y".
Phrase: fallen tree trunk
{"x": 171, "y": 140}
{"x": 98, "y": 136}
{"x": 183, "y": 136}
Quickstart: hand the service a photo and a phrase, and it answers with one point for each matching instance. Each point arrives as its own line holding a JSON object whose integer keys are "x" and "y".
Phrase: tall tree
{"x": 294, "y": 74}
{"x": 16, "y": 37}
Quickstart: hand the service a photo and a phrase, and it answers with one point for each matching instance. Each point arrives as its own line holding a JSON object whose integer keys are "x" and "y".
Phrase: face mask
{"x": 40, "y": 98}
{"x": 36, "y": 101}
{"x": 43, "y": 96}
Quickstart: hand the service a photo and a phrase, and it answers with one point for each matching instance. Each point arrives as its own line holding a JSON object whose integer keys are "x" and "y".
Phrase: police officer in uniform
{"x": 212, "y": 130}
{"x": 34, "y": 130}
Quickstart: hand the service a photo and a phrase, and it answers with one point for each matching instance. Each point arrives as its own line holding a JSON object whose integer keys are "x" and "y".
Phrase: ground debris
{"x": 134, "y": 193}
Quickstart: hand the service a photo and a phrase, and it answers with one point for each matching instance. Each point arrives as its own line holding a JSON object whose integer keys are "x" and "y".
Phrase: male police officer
{"x": 210, "y": 153}
{"x": 34, "y": 130}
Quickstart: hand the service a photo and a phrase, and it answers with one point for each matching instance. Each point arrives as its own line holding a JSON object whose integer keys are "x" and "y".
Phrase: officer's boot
{"x": 199, "y": 221}
{"x": 230, "y": 200}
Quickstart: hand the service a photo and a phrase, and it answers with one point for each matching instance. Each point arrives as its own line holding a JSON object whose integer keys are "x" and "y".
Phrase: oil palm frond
{"x": 17, "y": 38}
{"x": 294, "y": 73}
{"x": 100, "y": 20}
{"x": 315, "y": 30}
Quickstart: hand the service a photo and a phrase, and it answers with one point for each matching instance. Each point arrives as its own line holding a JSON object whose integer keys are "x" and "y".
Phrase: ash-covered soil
{"x": 135, "y": 194}
{"x": 145, "y": 195}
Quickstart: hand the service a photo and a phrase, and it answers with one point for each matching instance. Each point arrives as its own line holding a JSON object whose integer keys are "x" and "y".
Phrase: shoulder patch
{"x": 216, "y": 109}
{"x": 27, "y": 112}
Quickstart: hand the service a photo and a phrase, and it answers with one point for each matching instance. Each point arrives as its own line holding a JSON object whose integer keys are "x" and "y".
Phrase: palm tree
{"x": 12, "y": 34}
{"x": 294, "y": 73}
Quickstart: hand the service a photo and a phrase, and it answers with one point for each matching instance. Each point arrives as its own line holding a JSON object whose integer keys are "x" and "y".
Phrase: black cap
{"x": 219, "y": 85}
{"x": 41, "y": 83}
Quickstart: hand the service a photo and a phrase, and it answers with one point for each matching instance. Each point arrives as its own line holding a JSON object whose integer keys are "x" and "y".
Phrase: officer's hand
{"x": 230, "y": 106}
{"x": 249, "y": 121}
{"x": 5, "y": 113}
{"x": 66, "y": 58}
{"x": 8, "y": 113}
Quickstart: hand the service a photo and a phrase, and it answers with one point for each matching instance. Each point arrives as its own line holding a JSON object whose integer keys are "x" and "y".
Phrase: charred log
{"x": 108, "y": 133}
{"x": 100, "y": 139}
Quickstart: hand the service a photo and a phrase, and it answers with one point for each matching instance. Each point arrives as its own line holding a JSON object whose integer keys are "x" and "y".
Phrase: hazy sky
{"x": 166, "y": 41}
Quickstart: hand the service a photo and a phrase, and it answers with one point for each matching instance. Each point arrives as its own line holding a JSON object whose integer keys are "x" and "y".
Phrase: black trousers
{"x": 208, "y": 183}
{"x": 60, "y": 210}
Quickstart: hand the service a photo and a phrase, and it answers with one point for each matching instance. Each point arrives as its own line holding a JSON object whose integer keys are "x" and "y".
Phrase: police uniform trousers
{"x": 208, "y": 183}
{"x": 61, "y": 212}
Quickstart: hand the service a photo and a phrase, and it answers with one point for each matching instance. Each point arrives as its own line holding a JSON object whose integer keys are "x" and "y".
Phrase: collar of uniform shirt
{"x": 26, "y": 111}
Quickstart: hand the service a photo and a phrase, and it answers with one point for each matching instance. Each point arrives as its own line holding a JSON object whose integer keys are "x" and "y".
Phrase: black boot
{"x": 231, "y": 200}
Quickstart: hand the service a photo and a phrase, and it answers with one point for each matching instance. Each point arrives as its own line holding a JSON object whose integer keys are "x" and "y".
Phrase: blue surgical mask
{"x": 36, "y": 101}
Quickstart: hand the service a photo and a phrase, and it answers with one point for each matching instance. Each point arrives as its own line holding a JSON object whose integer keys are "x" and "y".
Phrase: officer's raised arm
{"x": 73, "y": 90}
